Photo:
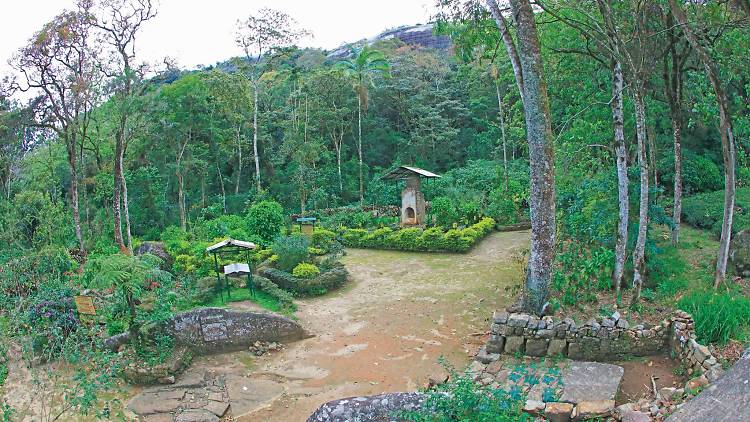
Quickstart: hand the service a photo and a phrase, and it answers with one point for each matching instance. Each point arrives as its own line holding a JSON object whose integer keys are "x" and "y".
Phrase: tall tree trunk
{"x": 651, "y": 136}
{"x": 126, "y": 211}
{"x": 501, "y": 112}
{"x": 181, "y": 199}
{"x": 239, "y": 160}
{"x": 677, "y": 208}
{"x": 541, "y": 159}
{"x": 510, "y": 46}
{"x": 359, "y": 150}
{"x": 255, "y": 135}
{"x": 639, "y": 252}
{"x": 338, "y": 162}
{"x": 621, "y": 156}
{"x": 221, "y": 184}
{"x": 116, "y": 195}
{"x": 74, "y": 199}
{"x": 727, "y": 141}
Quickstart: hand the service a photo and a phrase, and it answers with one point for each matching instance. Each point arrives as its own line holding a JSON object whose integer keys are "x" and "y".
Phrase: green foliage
{"x": 443, "y": 211}
{"x": 581, "y": 272}
{"x": 706, "y": 210}
{"x": 284, "y": 298}
{"x": 462, "y": 399}
{"x": 291, "y": 250}
{"x": 265, "y": 219}
{"x": 305, "y": 270}
{"x": 699, "y": 173}
{"x": 718, "y": 316}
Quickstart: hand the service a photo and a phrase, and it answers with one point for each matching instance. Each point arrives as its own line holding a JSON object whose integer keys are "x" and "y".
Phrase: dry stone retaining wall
{"x": 598, "y": 339}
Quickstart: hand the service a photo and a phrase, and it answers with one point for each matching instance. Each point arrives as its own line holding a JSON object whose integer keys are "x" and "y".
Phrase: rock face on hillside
{"x": 415, "y": 35}
{"x": 739, "y": 253}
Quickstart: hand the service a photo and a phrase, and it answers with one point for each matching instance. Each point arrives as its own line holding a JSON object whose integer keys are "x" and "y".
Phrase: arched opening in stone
{"x": 410, "y": 213}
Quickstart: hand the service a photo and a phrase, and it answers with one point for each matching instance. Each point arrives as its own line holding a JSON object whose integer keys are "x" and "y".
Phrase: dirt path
{"x": 387, "y": 329}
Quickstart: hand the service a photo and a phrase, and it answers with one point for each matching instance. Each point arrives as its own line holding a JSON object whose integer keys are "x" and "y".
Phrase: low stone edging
{"x": 599, "y": 339}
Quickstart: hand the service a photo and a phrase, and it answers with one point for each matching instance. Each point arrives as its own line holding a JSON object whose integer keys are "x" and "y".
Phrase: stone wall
{"x": 213, "y": 330}
{"x": 598, "y": 339}
{"x": 683, "y": 346}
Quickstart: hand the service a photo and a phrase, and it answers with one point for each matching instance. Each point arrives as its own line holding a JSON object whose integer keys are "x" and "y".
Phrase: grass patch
{"x": 719, "y": 316}
{"x": 241, "y": 294}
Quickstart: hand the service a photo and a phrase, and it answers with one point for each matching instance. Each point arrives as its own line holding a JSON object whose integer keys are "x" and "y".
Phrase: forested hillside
{"x": 632, "y": 122}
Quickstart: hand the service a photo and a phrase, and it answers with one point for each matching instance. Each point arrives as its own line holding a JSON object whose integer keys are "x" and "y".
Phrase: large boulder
{"x": 217, "y": 330}
{"x": 739, "y": 253}
{"x": 379, "y": 408}
{"x": 156, "y": 249}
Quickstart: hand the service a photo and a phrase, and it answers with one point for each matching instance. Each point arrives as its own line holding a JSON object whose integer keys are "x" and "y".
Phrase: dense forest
{"x": 629, "y": 121}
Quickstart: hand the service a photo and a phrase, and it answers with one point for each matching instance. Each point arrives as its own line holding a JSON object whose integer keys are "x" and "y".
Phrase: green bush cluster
{"x": 302, "y": 287}
{"x": 291, "y": 251}
{"x": 414, "y": 239}
{"x": 580, "y": 272}
{"x": 305, "y": 270}
{"x": 706, "y": 211}
{"x": 699, "y": 173}
{"x": 718, "y": 316}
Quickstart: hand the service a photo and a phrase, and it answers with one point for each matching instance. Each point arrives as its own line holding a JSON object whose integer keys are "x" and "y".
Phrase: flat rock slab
{"x": 246, "y": 395}
{"x": 590, "y": 381}
{"x": 727, "y": 399}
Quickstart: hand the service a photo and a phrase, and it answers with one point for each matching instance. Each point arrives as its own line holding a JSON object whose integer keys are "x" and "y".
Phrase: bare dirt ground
{"x": 385, "y": 331}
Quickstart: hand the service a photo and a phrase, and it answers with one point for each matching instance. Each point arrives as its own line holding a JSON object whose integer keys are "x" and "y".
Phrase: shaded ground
{"x": 387, "y": 329}
{"x": 636, "y": 383}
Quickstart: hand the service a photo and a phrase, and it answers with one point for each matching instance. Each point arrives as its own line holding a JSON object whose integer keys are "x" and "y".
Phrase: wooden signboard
{"x": 85, "y": 305}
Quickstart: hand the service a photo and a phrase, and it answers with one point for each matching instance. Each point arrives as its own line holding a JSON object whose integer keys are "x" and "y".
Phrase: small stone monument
{"x": 412, "y": 198}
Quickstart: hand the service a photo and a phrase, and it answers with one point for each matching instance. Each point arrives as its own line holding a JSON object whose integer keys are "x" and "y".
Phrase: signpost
{"x": 85, "y": 305}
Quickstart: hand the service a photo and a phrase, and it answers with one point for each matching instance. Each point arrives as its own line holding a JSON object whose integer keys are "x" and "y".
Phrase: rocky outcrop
{"x": 727, "y": 399}
{"x": 739, "y": 253}
{"x": 379, "y": 408}
{"x": 415, "y": 35}
{"x": 216, "y": 330}
{"x": 156, "y": 249}
{"x": 203, "y": 397}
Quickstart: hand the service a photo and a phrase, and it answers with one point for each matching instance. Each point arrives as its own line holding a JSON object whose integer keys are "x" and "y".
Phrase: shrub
{"x": 265, "y": 219}
{"x": 305, "y": 270}
{"x": 443, "y": 212}
{"x": 699, "y": 173}
{"x": 502, "y": 208}
{"x": 461, "y": 399}
{"x": 322, "y": 238}
{"x": 291, "y": 250}
{"x": 718, "y": 316}
{"x": 706, "y": 211}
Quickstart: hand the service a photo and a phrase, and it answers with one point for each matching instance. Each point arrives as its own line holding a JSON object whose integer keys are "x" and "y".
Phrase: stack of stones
{"x": 696, "y": 357}
{"x": 597, "y": 339}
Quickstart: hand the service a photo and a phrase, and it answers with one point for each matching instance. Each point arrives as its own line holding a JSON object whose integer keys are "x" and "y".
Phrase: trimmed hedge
{"x": 265, "y": 285}
{"x": 414, "y": 239}
{"x": 300, "y": 287}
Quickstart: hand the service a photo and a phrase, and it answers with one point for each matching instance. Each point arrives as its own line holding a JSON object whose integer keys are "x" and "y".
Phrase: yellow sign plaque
{"x": 85, "y": 305}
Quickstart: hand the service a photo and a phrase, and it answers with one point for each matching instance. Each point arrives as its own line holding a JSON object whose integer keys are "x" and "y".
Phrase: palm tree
{"x": 363, "y": 65}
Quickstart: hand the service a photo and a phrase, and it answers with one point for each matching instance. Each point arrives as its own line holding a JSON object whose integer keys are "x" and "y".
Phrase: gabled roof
{"x": 231, "y": 242}
{"x": 403, "y": 172}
